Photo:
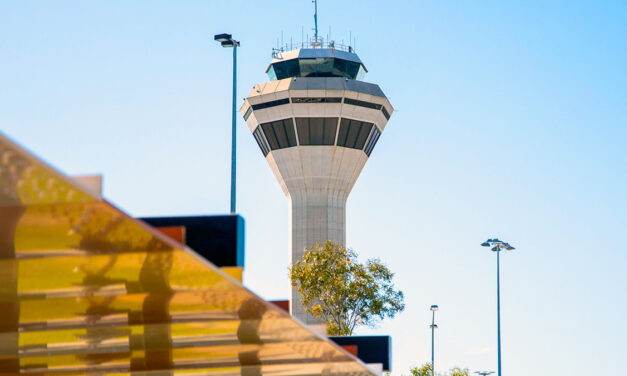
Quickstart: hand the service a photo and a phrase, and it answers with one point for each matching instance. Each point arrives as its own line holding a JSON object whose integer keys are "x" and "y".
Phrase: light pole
{"x": 433, "y": 328}
{"x": 496, "y": 245}
{"x": 227, "y": 41}
{"x": 484, "y": 373}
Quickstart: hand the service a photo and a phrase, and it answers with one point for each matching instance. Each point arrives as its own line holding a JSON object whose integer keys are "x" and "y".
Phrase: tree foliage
{"x": 335, "y": 287}
{"x": 457, "y": 371}
{"x": 425, "y": 370}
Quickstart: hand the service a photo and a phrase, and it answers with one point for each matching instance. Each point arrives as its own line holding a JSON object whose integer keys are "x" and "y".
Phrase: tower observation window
{"x": 385, "y": 113}
{"x": 353, "y": 133}
{"x": 356, "y": 102}
{"x": 348, "y": 68}
{"x": 316, "y": 67}
{"x": 261, "y": 141}
{"x": 316, "y": 131}
{"x": 280, "y": 134}
{"x": 374, "y": 137}
{"x": 248, "y": 112}
{"x": 284, "y": 69}
{"x": 278, "y": 102}
{"x": 317, "y": 100}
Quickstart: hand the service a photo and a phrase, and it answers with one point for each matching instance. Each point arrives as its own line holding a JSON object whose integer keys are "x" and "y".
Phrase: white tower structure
{"x": 316, "y": 123}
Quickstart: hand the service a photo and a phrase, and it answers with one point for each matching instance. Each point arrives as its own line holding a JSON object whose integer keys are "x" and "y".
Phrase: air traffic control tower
{"x": 316, "y": 123}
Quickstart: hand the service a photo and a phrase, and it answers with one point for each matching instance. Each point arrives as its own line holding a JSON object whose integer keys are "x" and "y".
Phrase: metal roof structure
{"x": 87, "y": 289}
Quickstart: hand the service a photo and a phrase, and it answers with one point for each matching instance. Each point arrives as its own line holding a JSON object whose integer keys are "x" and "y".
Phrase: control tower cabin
{"x": 316, "y": 124}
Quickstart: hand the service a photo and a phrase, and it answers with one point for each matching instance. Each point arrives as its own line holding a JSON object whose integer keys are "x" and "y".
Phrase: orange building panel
{"x": 174, "y": 232}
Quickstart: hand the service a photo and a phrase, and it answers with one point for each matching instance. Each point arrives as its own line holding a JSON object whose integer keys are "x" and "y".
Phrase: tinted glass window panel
{"x": 280, "y": 132}
{"x": 316, "y": 126}
{"x": 361, "y": 73}
{"x": 364, "y": 131}
{"x": 270, "y": 136}
{"x": 248, "y": 112}
{"x": 261, "y": 141}
{"x": 374, "y": 137}
{"x": 330, "y": 129}
{"x": 341, "y": 137}
{"x": 318, "y": 67}
{"x": 339, "y": 67}
{"x": 317, "y": 100}
{"x": 272, "y": 74}
{"x": 353, "y": 133}
{"x": 316, "y": 131}
{"x": 356, "y": 102}
{"x": 385, "y": 112}
{"x": 345, "y": 68}
{"x": 302, "y": 126}
{"x": 278, "y": 102}
{"x": 289, "y": 131}
{"x": 285, "y": 69}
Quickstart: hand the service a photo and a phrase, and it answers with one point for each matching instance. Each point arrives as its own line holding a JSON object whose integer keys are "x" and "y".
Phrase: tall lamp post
{"x": 497, "y": 245}
{"x": 433, "y": 328}
{"x": 227, "y": 41}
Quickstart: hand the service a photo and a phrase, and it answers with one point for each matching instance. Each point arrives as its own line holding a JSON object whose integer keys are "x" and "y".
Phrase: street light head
{"x": 226, "y": 40}
{"x": 222, "y": 37}
{"x": 433, "y": 326}
{"x": 485, "y": 244}
{"x": 434, "y": 308}
{"x": 510, "y": 248}
{"x": 495, "y": 249}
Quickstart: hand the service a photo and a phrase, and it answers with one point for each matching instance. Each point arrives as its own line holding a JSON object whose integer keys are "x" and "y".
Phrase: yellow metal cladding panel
{"x": 84, "y": 288}
{"x": 236, "y": 272}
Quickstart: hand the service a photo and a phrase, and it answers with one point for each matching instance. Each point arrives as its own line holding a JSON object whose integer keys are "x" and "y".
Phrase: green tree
{"x": 335, "y": 287}
{"x": 457, "y": 371}
{"x": 425, "y": 370}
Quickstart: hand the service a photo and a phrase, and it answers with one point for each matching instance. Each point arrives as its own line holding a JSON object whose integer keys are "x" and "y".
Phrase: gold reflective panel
{"x": 84, "y": 288}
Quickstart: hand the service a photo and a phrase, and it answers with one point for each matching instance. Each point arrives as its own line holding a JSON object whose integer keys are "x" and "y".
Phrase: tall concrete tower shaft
{"x": 316, "y": 124}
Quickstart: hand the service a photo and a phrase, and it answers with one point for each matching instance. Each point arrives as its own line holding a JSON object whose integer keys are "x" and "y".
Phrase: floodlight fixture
{"x": 222, "y": 37}
{"x": 226, "y": 40}
{"x": 434, "y": 307}
{"x": 497, "y": 245}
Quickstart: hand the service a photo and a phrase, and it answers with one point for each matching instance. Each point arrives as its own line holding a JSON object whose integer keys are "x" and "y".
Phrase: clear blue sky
{"x": 510, "y": 121}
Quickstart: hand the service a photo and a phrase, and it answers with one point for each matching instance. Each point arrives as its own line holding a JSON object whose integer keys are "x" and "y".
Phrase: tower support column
{"x": 315, "y": 217}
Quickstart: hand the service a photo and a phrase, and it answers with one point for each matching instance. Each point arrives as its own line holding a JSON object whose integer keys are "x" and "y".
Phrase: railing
{"x": 313, "y": 43}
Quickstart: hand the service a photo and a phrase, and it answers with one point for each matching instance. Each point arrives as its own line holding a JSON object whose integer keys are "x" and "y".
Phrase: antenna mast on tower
{"x": 316, "y": 20}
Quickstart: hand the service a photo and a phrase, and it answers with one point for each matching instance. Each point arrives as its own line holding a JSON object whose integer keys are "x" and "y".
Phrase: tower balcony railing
{"x": 313, "y": 43}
